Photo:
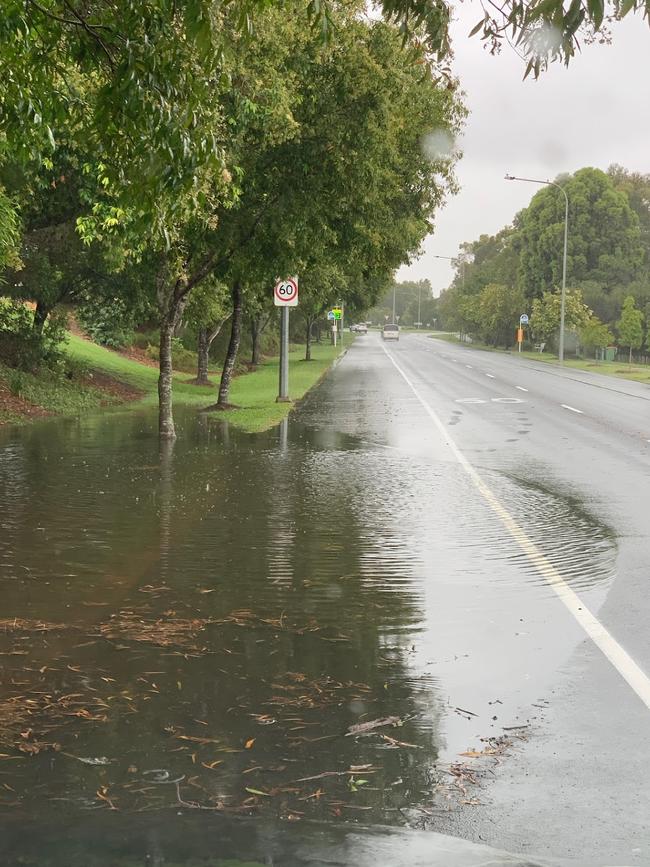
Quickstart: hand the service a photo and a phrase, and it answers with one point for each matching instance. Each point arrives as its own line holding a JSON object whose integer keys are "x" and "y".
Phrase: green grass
{"x": 253, "y": 394}
{"x": 141, "y": 376}
{"x": 617, "y": 369}
{"x": 54, "y": 393}
{"x": 256, "y": 392}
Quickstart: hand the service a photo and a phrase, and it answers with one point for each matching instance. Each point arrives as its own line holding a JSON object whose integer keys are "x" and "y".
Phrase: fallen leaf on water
{"x": 258, "y": 792}
{"x": 212, "y": 765}
{"x": 249, "y": 743}
{"x": 197, "y": 740}
{"x": 395, "y": 743}
{"x": 362, "y": 728}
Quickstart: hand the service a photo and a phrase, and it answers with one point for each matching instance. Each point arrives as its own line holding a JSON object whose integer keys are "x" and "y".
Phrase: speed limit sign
{"x": 285, "y": 293}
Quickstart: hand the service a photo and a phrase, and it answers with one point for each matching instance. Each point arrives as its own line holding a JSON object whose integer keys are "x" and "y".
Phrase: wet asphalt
{"x": 568, "y": 454}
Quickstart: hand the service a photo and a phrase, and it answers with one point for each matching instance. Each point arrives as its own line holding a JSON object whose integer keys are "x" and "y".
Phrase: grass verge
{"x": 256, "y": 392}
{"x": 617, "y": 369}
{"x": 116, "y": 381}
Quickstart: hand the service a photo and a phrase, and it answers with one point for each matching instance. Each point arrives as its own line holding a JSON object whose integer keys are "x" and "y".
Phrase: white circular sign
{"x": 286, "y": 291}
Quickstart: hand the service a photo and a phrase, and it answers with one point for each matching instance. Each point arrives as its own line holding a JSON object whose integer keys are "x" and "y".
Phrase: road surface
{"x": 536, "y": 576}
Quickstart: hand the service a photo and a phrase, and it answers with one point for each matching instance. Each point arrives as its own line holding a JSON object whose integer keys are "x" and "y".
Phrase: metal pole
{"x": 394, "y": 289}
{"x": 564, "y": 255}
{"x": 563, "y": 299}
{"x": 419, "y": 294}
{"x": 342, "y": 320}
{"x": 283, "y": 396}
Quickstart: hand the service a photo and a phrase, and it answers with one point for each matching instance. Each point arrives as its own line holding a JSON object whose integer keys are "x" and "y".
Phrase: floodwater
{"x": 194, "y": 633}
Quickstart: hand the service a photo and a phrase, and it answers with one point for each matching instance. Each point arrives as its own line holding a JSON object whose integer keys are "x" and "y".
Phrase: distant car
{"x": 361, "y": 328}
{"x": 390, "y": 332}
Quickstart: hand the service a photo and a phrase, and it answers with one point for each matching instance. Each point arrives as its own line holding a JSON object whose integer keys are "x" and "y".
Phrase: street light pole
{"x": 394, "y": 289}
{"x": 419, "y": 295}
{"x": 564, "y": 255}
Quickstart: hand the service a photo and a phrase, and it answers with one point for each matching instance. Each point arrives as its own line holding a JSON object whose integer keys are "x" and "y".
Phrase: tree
{"x": 595, "y": 335}
{"x": 546, "y": 314}
{"x": 499, "y": 310}
{"x": 604, "y": 241}
{"x": 630, "y": 326}
{"x": 359, "y": 119}
{"x": 636, "y": 187}
{"x": 207, "y": 312}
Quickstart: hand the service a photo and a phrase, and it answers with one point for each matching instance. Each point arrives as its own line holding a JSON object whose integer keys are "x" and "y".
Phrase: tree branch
{"x": 90, "y": 31}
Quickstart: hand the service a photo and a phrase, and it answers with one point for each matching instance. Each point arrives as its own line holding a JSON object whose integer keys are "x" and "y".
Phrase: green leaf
{"x": 477, "y": 27}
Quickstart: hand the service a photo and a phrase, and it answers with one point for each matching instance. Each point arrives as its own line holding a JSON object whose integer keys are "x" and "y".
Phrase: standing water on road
{"x": 285, "y": 625}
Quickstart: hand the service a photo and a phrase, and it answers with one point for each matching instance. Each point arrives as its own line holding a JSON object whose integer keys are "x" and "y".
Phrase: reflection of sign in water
{"x": 523, "y": 319}
{"x": 285, "y": 293}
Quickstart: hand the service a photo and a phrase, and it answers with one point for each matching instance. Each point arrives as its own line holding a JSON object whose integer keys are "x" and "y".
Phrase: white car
{"x": 361, "y": 328}
{"x": 390, "y": 332}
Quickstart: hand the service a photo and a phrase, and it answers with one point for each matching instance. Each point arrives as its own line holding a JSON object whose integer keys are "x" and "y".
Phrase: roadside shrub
{"x": 24, "y": 348}
{"x": 16, "y": 382}
{"x": 143, "y": 339}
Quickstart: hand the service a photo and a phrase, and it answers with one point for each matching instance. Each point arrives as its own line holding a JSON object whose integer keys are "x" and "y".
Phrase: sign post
{"x": 285, "y": 295}
{"x": 335, "y": 315}
{"x": 523, "y": 320}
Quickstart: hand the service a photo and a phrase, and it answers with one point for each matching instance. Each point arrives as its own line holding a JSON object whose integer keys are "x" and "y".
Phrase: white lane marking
{"x": 635, "y": 677}
{"x": 468, "y": 366}
{"x": 469, "y": 400}
{"x": 521, "y": 388}
{"x": 508, "y": 400}
{"x": 491, "y": 375}
{"x": 572, "y": 408}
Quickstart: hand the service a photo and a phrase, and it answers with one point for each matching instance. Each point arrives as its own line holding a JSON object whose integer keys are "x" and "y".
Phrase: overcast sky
{"x": 594, "y": 113}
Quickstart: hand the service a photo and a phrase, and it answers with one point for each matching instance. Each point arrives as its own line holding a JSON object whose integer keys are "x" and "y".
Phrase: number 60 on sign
{"x": 285, "y": 293}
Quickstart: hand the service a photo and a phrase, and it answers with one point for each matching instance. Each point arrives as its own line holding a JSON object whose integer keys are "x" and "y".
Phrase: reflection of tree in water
{"x": 240, "y": 674}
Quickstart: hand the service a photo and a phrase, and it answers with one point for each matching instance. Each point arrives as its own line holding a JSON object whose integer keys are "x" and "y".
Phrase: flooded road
{"x": 321, "y": 622}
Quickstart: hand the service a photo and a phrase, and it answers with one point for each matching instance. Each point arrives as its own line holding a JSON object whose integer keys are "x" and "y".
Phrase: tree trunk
{"x": 630, "y": 356}
{"x": 165, "y": 416}
{"x": 255, "y": 341}
{"x": 171, "y": 313}
{"x": 40, "y": 317}
{"x": 233, "y": 346}
{"x": 308, "y": 339}
{"x": 203, "y": 349}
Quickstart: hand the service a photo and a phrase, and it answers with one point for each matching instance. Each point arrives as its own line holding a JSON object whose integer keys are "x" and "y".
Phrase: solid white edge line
{"x": 521, "y": 388}
{"x": 571, "y": 408}
{"x": 635, "y": 677}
